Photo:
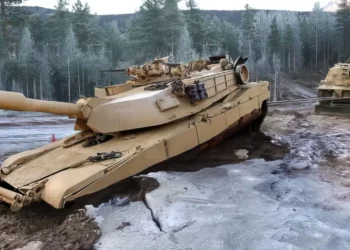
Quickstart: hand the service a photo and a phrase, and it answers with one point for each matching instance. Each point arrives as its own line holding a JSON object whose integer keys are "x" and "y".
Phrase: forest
{"x": 58, "y": 57}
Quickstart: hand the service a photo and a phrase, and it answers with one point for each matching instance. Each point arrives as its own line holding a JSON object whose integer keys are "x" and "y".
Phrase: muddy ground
{"x": 286, "y": 134}
{"x": 72, "y": 229}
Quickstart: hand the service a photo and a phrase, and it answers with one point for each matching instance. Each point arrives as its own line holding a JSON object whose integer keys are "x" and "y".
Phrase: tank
{"x": 336, "y": 85}
{"x": 127, "y": 128}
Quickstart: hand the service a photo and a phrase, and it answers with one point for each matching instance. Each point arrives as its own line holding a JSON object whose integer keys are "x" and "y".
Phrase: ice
{"x": 34, "y": 245}
{"x": 299, "y": 202}
{"x": 131, "y": 227}
{"x": 252, "y": 205}
{"x": 20, "y": 131}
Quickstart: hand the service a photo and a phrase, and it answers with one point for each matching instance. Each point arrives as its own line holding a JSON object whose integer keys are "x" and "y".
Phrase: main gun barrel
{"x": 18, "y": 102}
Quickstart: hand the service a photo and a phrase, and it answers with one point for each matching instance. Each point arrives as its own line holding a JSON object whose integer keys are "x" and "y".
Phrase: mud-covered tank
{"x": 128, "y": 128}
{"x": 336, "y": 85}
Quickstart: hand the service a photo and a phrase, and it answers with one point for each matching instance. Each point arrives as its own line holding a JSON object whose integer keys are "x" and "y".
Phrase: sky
{"x": 103, "y": 7}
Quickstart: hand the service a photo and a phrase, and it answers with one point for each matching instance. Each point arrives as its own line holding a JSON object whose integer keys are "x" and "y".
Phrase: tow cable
{"x": 105, "y": 156}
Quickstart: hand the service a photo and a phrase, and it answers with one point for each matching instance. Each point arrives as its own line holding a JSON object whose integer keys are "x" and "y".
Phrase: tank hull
{"x": 60, "y": 173}
{"x": 335, "y": 85}
{"x": 333, "y": 110}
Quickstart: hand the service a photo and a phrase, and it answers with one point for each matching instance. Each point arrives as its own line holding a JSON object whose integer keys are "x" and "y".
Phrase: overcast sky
{"x": 130, "y": 6}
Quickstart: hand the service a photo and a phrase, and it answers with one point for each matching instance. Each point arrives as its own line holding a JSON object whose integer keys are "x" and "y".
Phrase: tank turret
{"x": 126, "y": 107}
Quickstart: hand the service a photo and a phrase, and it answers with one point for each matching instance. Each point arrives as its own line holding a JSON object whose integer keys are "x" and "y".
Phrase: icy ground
{"x": 299, "y": 202}
{"x": 21, "y": 131}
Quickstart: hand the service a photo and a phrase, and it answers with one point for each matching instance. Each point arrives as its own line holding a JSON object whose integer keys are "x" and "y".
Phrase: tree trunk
{"x": 78, "y": 78}
{"x": 324, "y": 50}
{"x": 294, "y": 62}
{"x": 275, "y": 88}
{"x": 3, "y": 19}
{"x": 34, "y": 89}
{"x": 83, "y": 80}
{"x": 68, "y": 79}
{"x": 316, "y": 43}
{"x": 327, "y": 53}
{"x": 41, "y": 87}
{"x": 289, "y": 61}
{"x": 283, "y": 68}
{"x": 27, "y": 85}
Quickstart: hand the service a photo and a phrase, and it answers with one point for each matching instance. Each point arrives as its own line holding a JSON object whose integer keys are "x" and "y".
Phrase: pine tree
{"x": 289, "y": 43}
{"x": 305, "y": 43}
{"x": 4, "y": 5}
{"x": 316, "y": 16}
{"x": 26, "y": 51}
{"x": 85, "y": 25}
{"x": 213, "y": 34}
{"x": 249, "y": 37}
{"x": 274, "y": 43}
{"x": 71, "y": 53}
{"x": 58, "y": 24}
{"x": 185, "y": 51}
{"x": 230, "y": 39}
{"x": 173, "y": 23}
{"x": 114, "y": 42}
{"x": 152, "y": 27}
{"x": 195, "y": 24}
{"x": 263, "y": 22}
{"x": 343, "y": 26}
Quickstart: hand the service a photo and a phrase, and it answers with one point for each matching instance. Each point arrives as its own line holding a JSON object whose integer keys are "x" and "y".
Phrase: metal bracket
{"x": 17, "y": 200}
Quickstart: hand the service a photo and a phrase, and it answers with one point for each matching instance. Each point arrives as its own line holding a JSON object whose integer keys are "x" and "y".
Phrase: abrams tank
{"x": 336, "y": 85}
{"x": 127, "y": 128}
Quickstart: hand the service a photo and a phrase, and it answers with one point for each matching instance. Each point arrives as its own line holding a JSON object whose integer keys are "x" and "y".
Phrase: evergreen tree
{"x": 249, "y": 37}
{"x": 85, "y": 25}
{"x": 230, "y": 39}
{"x": 316, "y": 16}
{"x": 114, "y": 42}
{"x": 274, "y": 41}
{"x": 263, "y": 22}
{"x": 152, "y": 27}
{"x": 173, "y": 23}
{"x": 58, "y": 25}
{"x": 70, "y": 54}
{"x": 26, "y": 52}
{"x": 305, "y": 43}
{"x": 213, "y": 34}
{"x": 185, "y": 51}
{"x": 289, "y": 43}
{"x": 44, "y": 70}
{"x": 4, "y": 6}
{"x": 343, "y": 26}
{"x": 195, "y": 24}
{"x": 37, "y": 28}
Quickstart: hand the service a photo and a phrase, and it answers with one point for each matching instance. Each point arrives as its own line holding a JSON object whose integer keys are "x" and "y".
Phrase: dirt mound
{"x": 55, "y": 229}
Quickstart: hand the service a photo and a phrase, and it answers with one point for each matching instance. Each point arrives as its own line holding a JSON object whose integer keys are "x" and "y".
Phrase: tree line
{"x": 59, "y": 57}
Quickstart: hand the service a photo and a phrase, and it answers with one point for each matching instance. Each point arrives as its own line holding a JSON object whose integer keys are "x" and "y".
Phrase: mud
{"x": 72, "y": 229}
{"x": 55, "y": 229}
{"x": 288, "y": 133}
{"x": 257, "y": 144}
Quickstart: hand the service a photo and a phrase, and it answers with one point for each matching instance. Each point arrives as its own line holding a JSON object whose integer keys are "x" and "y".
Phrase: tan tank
{"x": 126, "y": 129}
{"x": 335, "y": 85}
